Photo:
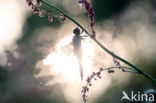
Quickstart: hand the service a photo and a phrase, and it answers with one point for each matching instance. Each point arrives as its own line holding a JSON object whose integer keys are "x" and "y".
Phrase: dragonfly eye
{"x": 76, "y": 31}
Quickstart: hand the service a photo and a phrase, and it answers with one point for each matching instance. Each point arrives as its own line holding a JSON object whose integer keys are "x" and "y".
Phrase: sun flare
{"x": 64, "y": 65}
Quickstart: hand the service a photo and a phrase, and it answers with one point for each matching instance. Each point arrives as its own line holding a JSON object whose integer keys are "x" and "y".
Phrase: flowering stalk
{"x": 36, "y": 8}
{"x": 97, "y": 75}
{"x": 91, "y": 14}
{"x": 99, "y": 43}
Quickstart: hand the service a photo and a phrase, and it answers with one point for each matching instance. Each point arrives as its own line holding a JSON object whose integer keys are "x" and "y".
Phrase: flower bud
{"x": 50, "y": 17}
{"x": 111, "y": 71}
{"x": 62, "y": 18}
{"x": 30, "y": 2}
{"x": 38, "y": 2}
{"x": 41, "y": 13}
{"x": 93, "y": 36}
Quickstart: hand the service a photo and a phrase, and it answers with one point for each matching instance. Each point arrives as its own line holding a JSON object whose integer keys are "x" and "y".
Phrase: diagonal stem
{"x": 99, "y": 43}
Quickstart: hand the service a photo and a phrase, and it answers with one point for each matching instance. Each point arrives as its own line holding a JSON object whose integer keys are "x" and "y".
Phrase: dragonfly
{"x": 76, "y": 48}
{"x": 76, "y": 42}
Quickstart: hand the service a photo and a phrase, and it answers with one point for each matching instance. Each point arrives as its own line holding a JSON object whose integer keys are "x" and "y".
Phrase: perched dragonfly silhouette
{"x": 76, "y": 44}
{"x": 76, "y": 41}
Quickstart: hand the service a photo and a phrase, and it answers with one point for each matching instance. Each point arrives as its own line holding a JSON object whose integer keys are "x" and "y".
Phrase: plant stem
{"x": 100, "y": 44}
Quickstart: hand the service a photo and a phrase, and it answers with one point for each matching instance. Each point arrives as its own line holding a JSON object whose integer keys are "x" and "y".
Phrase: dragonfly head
{"x": 76, "y": 31}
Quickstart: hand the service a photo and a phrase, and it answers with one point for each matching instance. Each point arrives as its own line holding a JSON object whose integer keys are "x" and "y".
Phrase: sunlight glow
{"x": 63, "y": 63}
{"x": 10, "y": 22}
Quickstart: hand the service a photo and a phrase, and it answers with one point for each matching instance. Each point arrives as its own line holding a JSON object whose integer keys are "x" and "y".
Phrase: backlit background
{"x": 34, "y": 69}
